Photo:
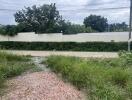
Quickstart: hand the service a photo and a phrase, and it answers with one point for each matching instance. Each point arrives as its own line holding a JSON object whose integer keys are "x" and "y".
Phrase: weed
{"x": 103, "y": 79}
{"x": 12, "y": 65}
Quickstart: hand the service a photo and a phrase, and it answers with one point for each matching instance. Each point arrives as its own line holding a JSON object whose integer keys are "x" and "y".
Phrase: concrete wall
{"x": 59, "y": 37}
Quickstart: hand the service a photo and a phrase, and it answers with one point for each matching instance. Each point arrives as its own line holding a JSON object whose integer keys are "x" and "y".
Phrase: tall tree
{"x": 97, "y": 23}
{"x": 45, "y": 18}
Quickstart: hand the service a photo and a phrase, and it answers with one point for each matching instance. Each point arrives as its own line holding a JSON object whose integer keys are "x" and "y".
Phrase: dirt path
{"x": 43, "y": 85}
{"x": 66, "y": 53}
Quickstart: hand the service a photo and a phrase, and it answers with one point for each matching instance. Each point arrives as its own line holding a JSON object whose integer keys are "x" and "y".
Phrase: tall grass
{"x": 12, "y": 65}
{"x": 102, "y": 79}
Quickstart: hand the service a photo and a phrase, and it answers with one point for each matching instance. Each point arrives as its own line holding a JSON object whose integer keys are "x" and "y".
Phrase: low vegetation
{"x": 101, "y": 79}
{"x": 12, "y": 65}
{"x": 66, "y": 46}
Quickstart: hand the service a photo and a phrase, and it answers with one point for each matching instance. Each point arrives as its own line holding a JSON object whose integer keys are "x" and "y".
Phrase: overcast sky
{"x": 72, "y": 10}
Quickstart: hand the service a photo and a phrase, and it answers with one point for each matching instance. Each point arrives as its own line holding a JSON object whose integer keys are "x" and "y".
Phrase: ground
{"x": 66, "y": 53}
{"x": 44, "y": 85}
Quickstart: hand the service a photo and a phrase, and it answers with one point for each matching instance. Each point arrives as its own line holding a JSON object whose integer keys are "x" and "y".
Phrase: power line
{"x": 8, "y": 10}
{"x": 101, "y": 9}
{"x": 88, "y": 4}
{"x": 10, "y": 3}
{"x": 94, "y": 4}
{"x": 83, "y": 9}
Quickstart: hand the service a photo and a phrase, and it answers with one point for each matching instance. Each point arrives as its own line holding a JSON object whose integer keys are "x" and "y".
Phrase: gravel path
{"x": 43, "y": 85}
{"x": 65, "y": 53}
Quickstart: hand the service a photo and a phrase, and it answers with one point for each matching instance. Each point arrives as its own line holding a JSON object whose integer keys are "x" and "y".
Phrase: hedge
{"x": 66, "y": 46}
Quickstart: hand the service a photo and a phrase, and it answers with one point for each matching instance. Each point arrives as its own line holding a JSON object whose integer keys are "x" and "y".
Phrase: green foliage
{"x": 2, "y": 30}
{"x": 13, "y": 69}
{"x": 10, "y": 30}
{"x": 101, "y": 79}
{"x": 66, "y": 46}
{"x": 12, "y": 65}
{"x": 119, "y": 77}
{"x": 46, "y": 19}
{"x": 97, "y": 23}
{"x": 43, "y": 19}
{"x": 12, "y": 57}
{"x": 118, "y": 27}
{"x": 75, "y": 28}
{"x": 126, "y": 57}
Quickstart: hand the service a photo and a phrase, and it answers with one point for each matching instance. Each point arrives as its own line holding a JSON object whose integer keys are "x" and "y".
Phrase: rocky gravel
{"x": 41, "y": 86}
{"x": 44, "y": 85}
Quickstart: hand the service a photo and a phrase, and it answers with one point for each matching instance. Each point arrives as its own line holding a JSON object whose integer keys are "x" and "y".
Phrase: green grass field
{"x": 12, "y": 65}
{"x": 101, "y": 79}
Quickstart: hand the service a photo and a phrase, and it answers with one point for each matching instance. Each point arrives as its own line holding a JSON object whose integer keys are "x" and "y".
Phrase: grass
{"x": 102, "y": 79}
{"x": 12, "y": 65}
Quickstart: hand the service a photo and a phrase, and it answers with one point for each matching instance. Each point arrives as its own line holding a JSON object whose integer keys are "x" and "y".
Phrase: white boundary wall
{"x": 59, "y": 37}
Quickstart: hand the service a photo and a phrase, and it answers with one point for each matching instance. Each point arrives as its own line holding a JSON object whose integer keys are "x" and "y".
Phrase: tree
{"x": 42, "y": 19}
{"x": 2, "y": 30}
{"x": 70, "y": 28}
{"x": 10, "y": 30}
{"x": 97, "y": 23}
{"x": 118, "y": 27}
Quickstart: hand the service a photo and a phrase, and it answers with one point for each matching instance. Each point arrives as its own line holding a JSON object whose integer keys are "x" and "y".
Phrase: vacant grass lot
{"x": 101, "y": 79}
{"x": 12, "y": 65}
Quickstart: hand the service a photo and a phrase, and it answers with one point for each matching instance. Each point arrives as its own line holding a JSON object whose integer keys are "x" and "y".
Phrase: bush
{"x": 11, "y": 70}
{"x": 12, "y": 57}
{"x": 102, "y": 79}
{"x": 12, "y": 65}
{"x": 66, "y": 46}
{"x": 119, "y": 77}
{"x": 129, "y": 89}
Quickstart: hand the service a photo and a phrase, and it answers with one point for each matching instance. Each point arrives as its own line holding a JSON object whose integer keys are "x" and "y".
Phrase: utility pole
{"x": 130, "y": 27}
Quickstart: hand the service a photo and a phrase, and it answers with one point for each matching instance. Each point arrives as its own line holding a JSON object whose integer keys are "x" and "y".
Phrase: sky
{"x": 71, "y": 10}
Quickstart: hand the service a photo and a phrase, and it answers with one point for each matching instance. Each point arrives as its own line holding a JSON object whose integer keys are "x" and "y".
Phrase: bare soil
{"x": 66, "y": 53}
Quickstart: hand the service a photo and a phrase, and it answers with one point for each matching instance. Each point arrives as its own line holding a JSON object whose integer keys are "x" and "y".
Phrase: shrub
{"x": 12, "y": 65}
{"x": 126, "y": 57}
{"x": 102, "y": 79}
{"x": 129, "y": 89}
{"x": 119, "y": 77}
{"x": 13, "y": 69}
{"x": 12, "y": 57}
{"x": 66, "y": 46}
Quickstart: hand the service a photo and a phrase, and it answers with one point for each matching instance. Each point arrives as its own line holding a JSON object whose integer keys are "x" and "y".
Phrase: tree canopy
{"x": 42, "y": 19}
{"x": 118, "y": 27}
{"x": 10, "y": 30}
{"x": 97, "y": 23}
{"x": 46, "y": 19}
{"x": 76, "y": 28}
